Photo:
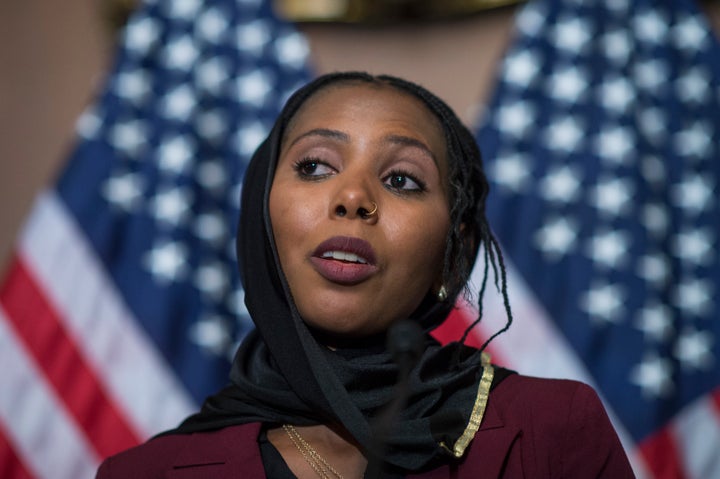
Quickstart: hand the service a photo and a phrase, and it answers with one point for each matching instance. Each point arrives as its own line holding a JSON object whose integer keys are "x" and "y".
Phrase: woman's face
{"x": 348, "y": 148}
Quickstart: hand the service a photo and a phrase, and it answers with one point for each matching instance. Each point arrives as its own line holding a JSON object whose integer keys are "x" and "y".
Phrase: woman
{"x": 363, "y": 209}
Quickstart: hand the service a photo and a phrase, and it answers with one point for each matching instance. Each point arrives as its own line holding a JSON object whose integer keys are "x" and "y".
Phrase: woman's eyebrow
{"x": 345, "y": 138}
{"x": 324, "y": 133}
{"x": 410, "y": 141}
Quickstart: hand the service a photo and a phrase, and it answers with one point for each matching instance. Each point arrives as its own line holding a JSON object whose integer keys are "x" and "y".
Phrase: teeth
{"x": 343, "y": 256}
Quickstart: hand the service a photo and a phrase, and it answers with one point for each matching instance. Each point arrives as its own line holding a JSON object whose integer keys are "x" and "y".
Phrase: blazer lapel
{"x": 486, "y": 455}
{"x": 233, "y": 452}
{"x": 490, "y": 447}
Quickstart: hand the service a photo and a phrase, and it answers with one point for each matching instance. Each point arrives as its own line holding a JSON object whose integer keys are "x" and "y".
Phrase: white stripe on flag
{"x": 47, "y": 439}
{"x": 533, "y": 346}
{"x": 136, "y": 376}
{"x": 696, "y": 430}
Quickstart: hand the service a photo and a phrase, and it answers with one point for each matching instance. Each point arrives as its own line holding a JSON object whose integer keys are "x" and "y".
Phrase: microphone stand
{"x": 405, "y": 343}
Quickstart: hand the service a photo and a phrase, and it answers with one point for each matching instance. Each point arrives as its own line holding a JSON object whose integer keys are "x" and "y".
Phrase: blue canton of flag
{"x": 122, "y": 307}
{"x": 602, "y": 146}
{"x": 155, "y": 185}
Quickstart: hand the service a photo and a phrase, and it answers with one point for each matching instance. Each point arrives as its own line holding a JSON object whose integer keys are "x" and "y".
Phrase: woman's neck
{"x": 331, "y": 445}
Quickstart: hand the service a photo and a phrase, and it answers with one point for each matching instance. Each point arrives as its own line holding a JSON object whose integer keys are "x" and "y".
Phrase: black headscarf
{"x": 282, "y": 374}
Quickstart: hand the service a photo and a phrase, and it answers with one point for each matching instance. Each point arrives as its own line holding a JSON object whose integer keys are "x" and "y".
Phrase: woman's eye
{"x": 310, "y": 167}
{"x": 403, "y": 182}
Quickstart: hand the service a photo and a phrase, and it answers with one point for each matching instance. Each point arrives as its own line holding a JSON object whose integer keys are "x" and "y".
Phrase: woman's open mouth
{"x": 344, "y": 260}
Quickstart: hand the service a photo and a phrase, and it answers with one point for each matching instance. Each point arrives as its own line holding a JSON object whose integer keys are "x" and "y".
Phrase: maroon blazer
{"x": 532, "y": 428}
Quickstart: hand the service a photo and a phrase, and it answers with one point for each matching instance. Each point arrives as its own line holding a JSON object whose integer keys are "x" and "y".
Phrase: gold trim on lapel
{"x": 478, "y": 410}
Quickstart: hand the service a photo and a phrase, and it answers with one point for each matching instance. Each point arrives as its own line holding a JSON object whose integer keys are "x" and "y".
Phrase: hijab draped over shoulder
{"x": 281, "y": 374}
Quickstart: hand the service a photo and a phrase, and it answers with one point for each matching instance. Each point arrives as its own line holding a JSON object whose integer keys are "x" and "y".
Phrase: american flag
{"x": 121, "y": 308}
{"x": 601, "y": 143}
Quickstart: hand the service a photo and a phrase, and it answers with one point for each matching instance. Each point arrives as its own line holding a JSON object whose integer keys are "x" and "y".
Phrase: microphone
{"x": 405, "y": 342}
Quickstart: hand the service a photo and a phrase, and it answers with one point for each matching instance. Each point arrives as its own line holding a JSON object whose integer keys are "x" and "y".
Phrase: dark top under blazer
{"x": 532, "y": 428}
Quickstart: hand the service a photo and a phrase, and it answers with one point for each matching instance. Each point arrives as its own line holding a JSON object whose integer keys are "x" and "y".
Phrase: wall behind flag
{"x": 52, "y": 59}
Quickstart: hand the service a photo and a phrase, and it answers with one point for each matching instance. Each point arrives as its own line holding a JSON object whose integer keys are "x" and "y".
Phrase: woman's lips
{"x": 344, "y": 260}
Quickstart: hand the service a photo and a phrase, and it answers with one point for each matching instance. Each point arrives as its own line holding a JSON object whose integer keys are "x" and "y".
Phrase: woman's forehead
{"x": 365, "y": 102}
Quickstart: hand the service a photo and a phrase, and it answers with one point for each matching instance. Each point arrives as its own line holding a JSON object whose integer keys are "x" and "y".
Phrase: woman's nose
{"x": 355, "y": 199}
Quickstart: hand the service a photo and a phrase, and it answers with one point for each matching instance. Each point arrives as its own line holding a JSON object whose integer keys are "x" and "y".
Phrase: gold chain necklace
{"x": 311, "y": 456}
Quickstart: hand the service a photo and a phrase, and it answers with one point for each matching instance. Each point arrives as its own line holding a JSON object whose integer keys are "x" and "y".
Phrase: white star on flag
{"x": 211, "y": 227}
{"x": 653, "y": 375}
{"x": 511, "y": 171}
{"x": 252, "y": 37}
{"x": 616, "y": 94}
{"x": 693, "y": 349}
{"x": 614, "y": 143}
{"x": 617, "y": 46}
{"x": 694, "y": 141}
{"x": 184, "y": 9}
{"x": 572, "y": 34}
{"x": 254, "y": 87}
{"x": 212, "y": 279}
{"x": 650, "y": 74}
{"x": 179, "y": 103}
{"x": 172, "y": 205}
{"x": 693, "y": 296}
{"x": 181, "y": 53}
{"x": 611, "y": 196}
{"x": 521, "y": 68}
{"x": 604, "y": 303}
{"x": 167, "y": 261}
{"x": 124, "y": 191}
{"x": 129, "y": 136}
{"x": 561, "y": 184}
{"x": 212, "y": 74}
{"x": 175, "y": 154}
{"x": 689, "y": 34}
{"x": 694, "y": 85}
{"x": 135, "y": 85}
{"x": 650, "y": 26}
{"x": 211, "y": 176}
{"x": 212, "y": 333}
{"x": 141, "y": 35}
{"x": 694, "y": 193}
{"x": 694, "y": 246}
{"x": 249, "y": 137}
{"x": 654, "y": 217}
{"x": 609, "y": 248}
{"x": 655, "y": 320}
{"x": 292, "y": 49}
{"x": 568, "y": 84}
{"x": 557, "y": 237}
{"x": 654, "y": 268}
{"x": 515, "y": 118}
{"x": 212, "y": 25}
{"x": 564, "y": 134}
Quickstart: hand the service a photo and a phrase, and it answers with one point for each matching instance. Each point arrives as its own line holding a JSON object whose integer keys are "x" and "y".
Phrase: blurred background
{"x": 599, "y": 121}
{"x": 55, "y": 58}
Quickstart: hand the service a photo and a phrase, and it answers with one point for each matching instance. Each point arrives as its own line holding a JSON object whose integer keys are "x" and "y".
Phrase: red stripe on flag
{"x": 662, "y": 456}
{"x": 45, "y": 337}
{"x": 715, "y": 395}
{"x": 11, "y": 466}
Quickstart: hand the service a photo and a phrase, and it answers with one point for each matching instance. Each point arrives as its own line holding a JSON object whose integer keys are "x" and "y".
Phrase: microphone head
{"x": 405, "y": 341}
